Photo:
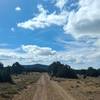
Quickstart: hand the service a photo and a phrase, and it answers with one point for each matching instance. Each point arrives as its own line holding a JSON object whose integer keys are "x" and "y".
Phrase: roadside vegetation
{"x": 56, "y": 69}
{"x": 60, "y": 70}
{"x": 21, "y": 81}
{"x": 17, "y": 77}
{"x": 13, "y": 80}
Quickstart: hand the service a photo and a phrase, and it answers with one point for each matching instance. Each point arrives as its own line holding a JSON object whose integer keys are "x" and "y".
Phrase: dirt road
{"x": 45, "y": 89}
{"x": 41, "y": 92}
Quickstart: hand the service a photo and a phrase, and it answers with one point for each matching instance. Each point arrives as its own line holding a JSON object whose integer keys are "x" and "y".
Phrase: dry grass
{"x": 7, "y": 90}
{"x": 83, "y": 89}
{"x": 26, "y": 86}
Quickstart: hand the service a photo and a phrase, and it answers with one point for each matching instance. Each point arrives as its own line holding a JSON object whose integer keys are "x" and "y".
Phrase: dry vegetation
{"x": 7, "y": 90}
{"x": 27, "y": 87}
{"x": 46, "y": 89}
{"x": 83, "y": 89}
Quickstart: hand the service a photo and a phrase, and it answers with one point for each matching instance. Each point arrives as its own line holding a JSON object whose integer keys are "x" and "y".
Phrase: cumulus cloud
{"x": 27, "y": 54}
{"x": 60, "y": 3}
{"x": 81, "y": 57}
{"x": 36, "y": 50}
{"x": 83, "y": 24}
{"x": 32, "y": 54}
{"x": 97, "y": 43}
{"x": 18, "y": 8}
{"x": 43, "y": 19}
{"x": 7, "y": 56}
{"x": 86, "y": 20}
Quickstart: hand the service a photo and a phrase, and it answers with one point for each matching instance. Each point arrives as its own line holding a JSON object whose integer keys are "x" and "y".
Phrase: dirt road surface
{"x": 41, "y": 92}
{"x": 44, "y": 89}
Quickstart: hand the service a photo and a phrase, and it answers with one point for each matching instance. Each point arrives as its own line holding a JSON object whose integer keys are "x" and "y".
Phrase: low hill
{"x": 36, "y": 68}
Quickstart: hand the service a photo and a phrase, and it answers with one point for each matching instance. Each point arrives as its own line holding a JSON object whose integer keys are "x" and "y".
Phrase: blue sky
{"x": 43, "y": 31}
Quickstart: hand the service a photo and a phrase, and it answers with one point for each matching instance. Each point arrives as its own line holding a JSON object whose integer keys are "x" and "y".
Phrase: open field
{"x": 46, "y": 89}
{"x": 62, "y": 89}
{"x": 21, "y": 82}
{"x": 36, "y": 86}
{"x": 82, "y": 89}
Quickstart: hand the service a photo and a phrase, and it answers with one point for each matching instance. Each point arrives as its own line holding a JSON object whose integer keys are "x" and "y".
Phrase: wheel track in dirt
{"x": 46, "y": 89}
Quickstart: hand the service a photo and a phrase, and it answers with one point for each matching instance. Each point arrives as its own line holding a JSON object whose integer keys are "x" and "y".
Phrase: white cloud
{"x": 36, "y": 50}
{"x": 80, "y": 53}
{"x": 32, "y": 54}
{"x": 86, "y": 21}
{"x": 97, "y": 43}
{"x": 27, "y": 54}
{"x": 41, "y": 9}
{"x": 18, "y": 8}
{"x": 60, "y": 3}
{"x": 83, "y": 24}
{"x": 43, "y": 19}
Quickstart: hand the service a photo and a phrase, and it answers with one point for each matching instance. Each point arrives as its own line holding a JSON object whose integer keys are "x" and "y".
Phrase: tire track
{"x": 41, "y": 92}
{"x": 61, "y": 91}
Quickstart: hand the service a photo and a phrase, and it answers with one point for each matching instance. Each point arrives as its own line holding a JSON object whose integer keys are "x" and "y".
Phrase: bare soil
{"x": 61, "y": 89}
{"x": 46, "y": 89}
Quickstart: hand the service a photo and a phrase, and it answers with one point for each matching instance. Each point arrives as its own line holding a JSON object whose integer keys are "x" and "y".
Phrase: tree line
{"x": 56, "y": 69}
{"x": 60, "y": 70}
{"x": 6, "y": 72}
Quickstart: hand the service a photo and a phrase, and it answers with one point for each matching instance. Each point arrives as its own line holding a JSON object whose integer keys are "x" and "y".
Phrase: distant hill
{"x": 36, "y": 68}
